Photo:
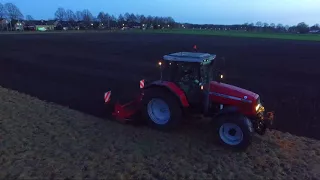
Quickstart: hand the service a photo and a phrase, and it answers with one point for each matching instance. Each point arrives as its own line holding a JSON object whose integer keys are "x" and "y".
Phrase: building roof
{"x": 40, "y": 22}
{"x": 67, "y": 23}
{"x": 189, "y": 57}
{"x": 3, "y": 20}
{"x": 51, "y": 22}
{"x": 34, "y": 22}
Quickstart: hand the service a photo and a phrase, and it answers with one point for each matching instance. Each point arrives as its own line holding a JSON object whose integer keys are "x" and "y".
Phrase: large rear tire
{"x": 161, "y": 109}
{"x": 234, "y": 131}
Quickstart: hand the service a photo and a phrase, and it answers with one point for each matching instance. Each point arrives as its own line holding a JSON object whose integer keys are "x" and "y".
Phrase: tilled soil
{"x": 41, "y": 140}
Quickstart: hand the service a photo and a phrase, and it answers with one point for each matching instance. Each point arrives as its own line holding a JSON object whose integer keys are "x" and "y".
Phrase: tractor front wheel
{"x": 161, "y": 109}
{"x": 235, "y": 131}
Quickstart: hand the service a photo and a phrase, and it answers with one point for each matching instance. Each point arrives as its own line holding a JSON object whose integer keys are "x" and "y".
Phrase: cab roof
{"x": 189, "y": 57}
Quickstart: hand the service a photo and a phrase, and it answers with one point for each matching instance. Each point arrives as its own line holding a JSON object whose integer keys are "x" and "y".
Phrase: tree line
{"x": 260, "y": 27}
{"x": 127, "y": 19}
{"x": 11, "y": 12}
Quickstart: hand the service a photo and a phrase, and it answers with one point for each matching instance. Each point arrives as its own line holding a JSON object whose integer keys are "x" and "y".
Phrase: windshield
{"x": 206, "y": 71}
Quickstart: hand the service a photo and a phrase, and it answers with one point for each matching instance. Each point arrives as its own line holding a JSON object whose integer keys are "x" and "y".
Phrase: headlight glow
{"x": 257, "y": 107}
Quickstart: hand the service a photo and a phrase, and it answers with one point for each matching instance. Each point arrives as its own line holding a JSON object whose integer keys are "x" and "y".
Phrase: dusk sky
{"x": 193, "y": 11}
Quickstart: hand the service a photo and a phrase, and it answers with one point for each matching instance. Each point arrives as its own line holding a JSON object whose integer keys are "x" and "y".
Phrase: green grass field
{"x": 305, "y": 37}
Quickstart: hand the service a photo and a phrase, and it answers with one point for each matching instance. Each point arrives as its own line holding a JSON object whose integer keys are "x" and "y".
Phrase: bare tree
{"x": 272, "y": 25}
{"x": 60, "y": 14}
{"x": 29, "y": 18}
{"x": 113, "y": 18}
{"x": 265, "y": 25}
{"x": 101, "y": 16}
{"x": 302, "y": 28}
{"x": 149, "y": 20}
{"x": 259, "y": 24}
{"x": 13, "y": 11}
{"x": 126, "y": 17}
{"x": 70, "y": 16}
{"x": 3, "y": 11}
{"x": 156, "y": 21}
{"x": 2, "y": 15}
{"x": 279, "y": 28}
{"x": 315, "y": 27}
{"x": 133, "y": 18}
{"x": 113, "y": 21}
{"x": 293, "y": 29}
{"x": 287, "y": 27}
{"x": 121, "y": 20}
{"x": 138, "y": 18}
{"x": 104, "y": 18}
{"x": 130, "y": 18}
{"x": 108, "y": 18}
{"x": 250, "y": 27}
{"x": 143, "y": 19}
{"x": 87, "y": 16}
{"x": 79, "y": 16}
{"x": 171, "y": 21}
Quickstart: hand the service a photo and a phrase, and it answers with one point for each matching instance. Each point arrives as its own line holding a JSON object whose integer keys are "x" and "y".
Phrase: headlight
{"x": 258, "y": 106}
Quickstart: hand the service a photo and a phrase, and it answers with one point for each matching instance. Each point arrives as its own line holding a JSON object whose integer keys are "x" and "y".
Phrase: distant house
{"x": 102, "y": 25}
{"x": 314, "y": 31}
{"x": 40, "y": 25}
{"x": 19, "y": 26}
{"x": 125, "y": 28}
{"x": 3, "y": 24}
{"x": 67, "y": 25}
{"x": 136, "y": 27}
{"x": 16, "y": 25}
{"x": 82, "y": 25}
{"x": 46, "y": 25}
{"x": 29, "y": 26}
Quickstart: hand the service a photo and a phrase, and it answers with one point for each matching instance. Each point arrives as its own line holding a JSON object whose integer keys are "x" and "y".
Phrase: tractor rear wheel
{"x": 234, "y": 131}
{"x": 161, "y": 109}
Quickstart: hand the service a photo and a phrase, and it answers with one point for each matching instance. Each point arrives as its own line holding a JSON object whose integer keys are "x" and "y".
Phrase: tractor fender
{"x": 230, "y": 110}
{"x": 227, "y": 110}
{"x": 173, "y": 88}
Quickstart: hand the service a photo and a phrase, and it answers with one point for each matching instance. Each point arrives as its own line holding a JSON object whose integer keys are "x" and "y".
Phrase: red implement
{"x": 124, "y": 112}
{"x": 127, "y": 111}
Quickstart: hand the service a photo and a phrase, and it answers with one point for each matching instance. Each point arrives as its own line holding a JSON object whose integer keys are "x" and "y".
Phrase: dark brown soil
{"x": 76, "y": 69}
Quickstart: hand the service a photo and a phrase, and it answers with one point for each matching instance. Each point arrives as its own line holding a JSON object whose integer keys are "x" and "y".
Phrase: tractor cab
{"x": 191, "y": 71}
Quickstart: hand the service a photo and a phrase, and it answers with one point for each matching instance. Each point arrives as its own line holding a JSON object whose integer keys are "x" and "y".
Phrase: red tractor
{"x": 188, "y": 84}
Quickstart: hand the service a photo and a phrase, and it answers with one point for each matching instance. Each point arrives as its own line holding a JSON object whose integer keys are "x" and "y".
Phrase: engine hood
{"x": 232, "y": 92}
